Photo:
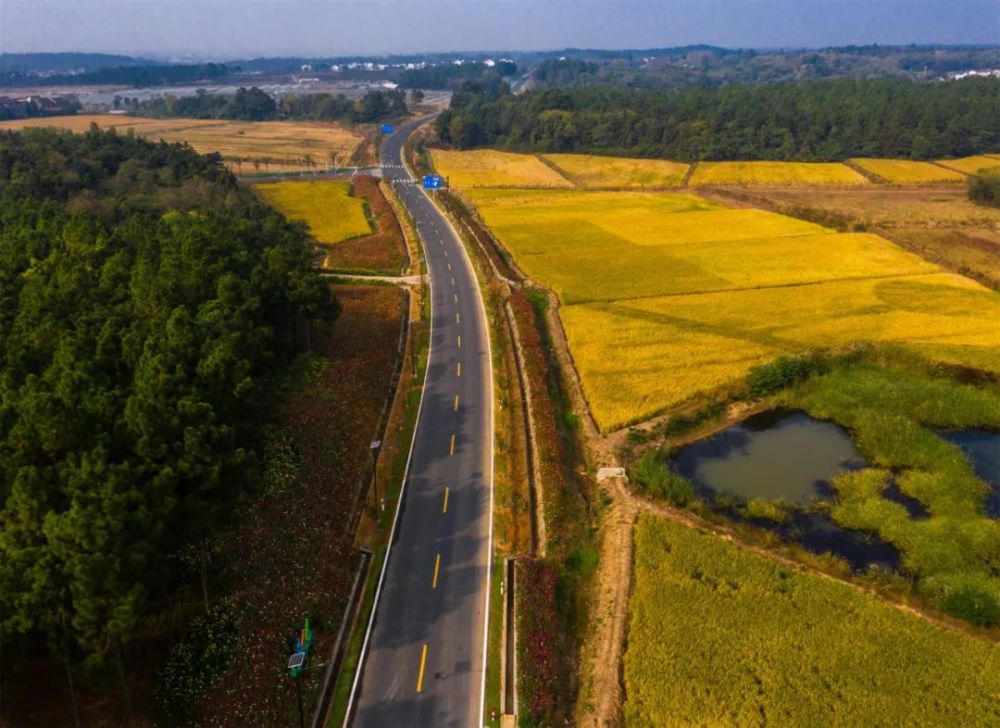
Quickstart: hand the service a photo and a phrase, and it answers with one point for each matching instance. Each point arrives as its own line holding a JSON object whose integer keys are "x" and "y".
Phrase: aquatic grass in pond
{"x": 982, "y": 448}
{"x": 892, "y": 412}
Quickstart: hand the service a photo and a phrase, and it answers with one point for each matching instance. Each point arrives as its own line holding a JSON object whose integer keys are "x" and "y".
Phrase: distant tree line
{"x": 709, "y": 66}
{"x": 146, "y": 302}
{"x": 136, "y": 76}
{"x": 810, "y": 121}
{"x": 253, "y": 104}
{"x": 452, "y": 76}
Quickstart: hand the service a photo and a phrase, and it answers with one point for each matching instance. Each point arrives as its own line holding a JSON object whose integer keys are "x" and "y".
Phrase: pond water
{"x": 778, "y": 455}
{"x": 787, "y": 455}
{"x": 982, "y": 447}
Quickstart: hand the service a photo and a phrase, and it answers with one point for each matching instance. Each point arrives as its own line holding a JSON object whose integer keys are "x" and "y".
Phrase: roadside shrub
{"x": 652, "y": 472}
{"x": 973, "y": 605}
{"x": 984, "y": 188}
{"x": 543, "y": 658}
{"x": 196, "y": 663}
{"x": 779, "y": 374}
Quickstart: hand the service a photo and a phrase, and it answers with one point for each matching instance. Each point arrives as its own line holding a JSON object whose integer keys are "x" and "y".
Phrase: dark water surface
{"x": 982, "y": 447}
{"x": 777, "y": 455}
{"x": 787, "y": 455}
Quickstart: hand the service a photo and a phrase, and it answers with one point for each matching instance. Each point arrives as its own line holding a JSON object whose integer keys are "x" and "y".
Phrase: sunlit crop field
{"x": 719, "y": 636}
{"x": 970, "y": 165}
{"x": 595, "y": 172}
{"x": 908, "y": 171}
{"x": 796, "y": 174}
{"x": 248, "y": 147}
{"x": 490, "y": 168}
{"x": 668, "y": 295}
{"x": 326, "y": 206}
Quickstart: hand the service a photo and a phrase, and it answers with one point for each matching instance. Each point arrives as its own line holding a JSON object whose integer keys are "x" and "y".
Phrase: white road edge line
{"x": 399, "y": 503}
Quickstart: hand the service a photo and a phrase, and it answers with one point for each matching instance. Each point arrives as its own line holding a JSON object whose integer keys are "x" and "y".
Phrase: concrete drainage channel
{"x": 508, "y": 658}
{"x": 343, "y": 638}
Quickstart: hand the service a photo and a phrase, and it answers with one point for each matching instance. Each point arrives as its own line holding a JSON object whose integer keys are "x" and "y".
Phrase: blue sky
{"x": 241, "y": 28}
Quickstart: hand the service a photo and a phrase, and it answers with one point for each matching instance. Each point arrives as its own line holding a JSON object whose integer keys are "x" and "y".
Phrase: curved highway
{"x": 422, "y": 663}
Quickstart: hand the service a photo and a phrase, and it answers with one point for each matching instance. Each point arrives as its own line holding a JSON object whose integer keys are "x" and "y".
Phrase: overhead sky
{"x": 241, "y": 28}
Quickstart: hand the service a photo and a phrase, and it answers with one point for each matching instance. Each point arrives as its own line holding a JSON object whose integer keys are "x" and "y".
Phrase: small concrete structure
{"x": 606, "y": 473}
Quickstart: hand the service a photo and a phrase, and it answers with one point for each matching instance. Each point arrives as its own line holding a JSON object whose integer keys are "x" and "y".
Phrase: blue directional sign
{"x": 432, "y": 181}
{"x": 388, "y": 129}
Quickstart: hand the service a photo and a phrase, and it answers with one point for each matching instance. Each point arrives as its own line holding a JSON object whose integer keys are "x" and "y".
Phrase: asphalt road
{"x": 423, "y": 664}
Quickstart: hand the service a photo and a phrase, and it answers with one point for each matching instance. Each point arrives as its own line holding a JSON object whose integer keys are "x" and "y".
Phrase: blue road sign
{"x": 432, "y": 181}
{"x": 387, "y": 129}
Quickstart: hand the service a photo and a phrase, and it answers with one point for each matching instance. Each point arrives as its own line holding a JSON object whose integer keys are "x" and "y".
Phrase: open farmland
{"x": 327, "y": 207}
{"x": 265, "y": 146}
{"x": 943, "y": 225}
{"x": 970, "y": 165}
{"x": 908, "y": 171}
{"x": 490, "y": 168}
{"x": 719, "y": 636}
{"x": 589, "y": 171}
{"x": 667, "y": 295}
{"x": 795, "y": 174}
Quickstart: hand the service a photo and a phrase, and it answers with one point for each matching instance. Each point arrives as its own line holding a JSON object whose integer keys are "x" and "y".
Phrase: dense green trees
{"x": 810, "y": 121}
{"x": 256, "y": 105}
{"x": 144, "y": 301}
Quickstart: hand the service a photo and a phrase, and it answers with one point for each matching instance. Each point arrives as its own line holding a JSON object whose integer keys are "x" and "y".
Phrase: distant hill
{"x": 47, "y": 63}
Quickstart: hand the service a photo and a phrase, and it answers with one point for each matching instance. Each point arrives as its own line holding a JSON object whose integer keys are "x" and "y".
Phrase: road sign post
{"x": 432, "y": 182}
{"x": 388, "y": 129}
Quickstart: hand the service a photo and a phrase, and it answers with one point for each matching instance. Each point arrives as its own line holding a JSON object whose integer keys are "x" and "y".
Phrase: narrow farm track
{"x": 423, "y": 654}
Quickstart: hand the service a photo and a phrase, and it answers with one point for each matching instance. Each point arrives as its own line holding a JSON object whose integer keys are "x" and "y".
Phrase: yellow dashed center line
{"x": 451, "y": 449}
{"x": 456, "y": 297}
{"x": 459, "y": 341}
{"x": 452, "y": 280}
{"x": 449, "y": 266}
{"x": 458, "y": 318}
{"x": 423, "y": 663}
{"x": 444, "y": 506}
{"x": 437, "y": 568}
{"x": 456, "y": 403}
{"x": 458, "y": 370}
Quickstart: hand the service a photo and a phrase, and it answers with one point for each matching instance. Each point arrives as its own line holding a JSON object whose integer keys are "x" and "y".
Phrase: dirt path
{"x": 601, "y": 693}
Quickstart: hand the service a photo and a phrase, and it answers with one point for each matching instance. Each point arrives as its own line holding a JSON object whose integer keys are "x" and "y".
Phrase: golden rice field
{"x": 589, "y": 171}
{"x": 795, "y": 174}
{"x": 908, "y": 171}
{"x": 668, "y": 295}
{"x": 490, "y": 168}
{"x": 720, "y": 636}
{"x": 264, "y": 146}
{"x": 326, "y": 206}
{"x": 970, "y": 165}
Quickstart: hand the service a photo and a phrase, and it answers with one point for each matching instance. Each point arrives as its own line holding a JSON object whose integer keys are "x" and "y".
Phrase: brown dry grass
{"x": 246, "y": 146}
{"x": 942, "y": 225}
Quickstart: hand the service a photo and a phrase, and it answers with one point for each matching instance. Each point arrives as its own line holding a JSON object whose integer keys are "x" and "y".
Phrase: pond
{"x": 778, "y": 455}
{"x": 786, "y": 455}
{"x": 982, "y": 447}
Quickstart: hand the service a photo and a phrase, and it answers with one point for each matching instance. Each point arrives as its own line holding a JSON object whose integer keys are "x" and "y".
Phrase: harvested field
{"x": 908, "y": 171}
{"x": 665, "y": 296}
{"x": 589, "y": 171}
{"x": 970, "y": 165}
{"x": 246, "y": 146}
{"x": 490, "y": 168}
{"x": 327, "y": 207}
{"x": 720, "y": 636}
{"x": 794, "y": 174}
{"x": 940, "y": 224}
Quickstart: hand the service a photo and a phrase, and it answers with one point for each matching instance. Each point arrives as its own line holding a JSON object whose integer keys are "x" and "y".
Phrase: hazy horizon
{"x": 230, "y": 29}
